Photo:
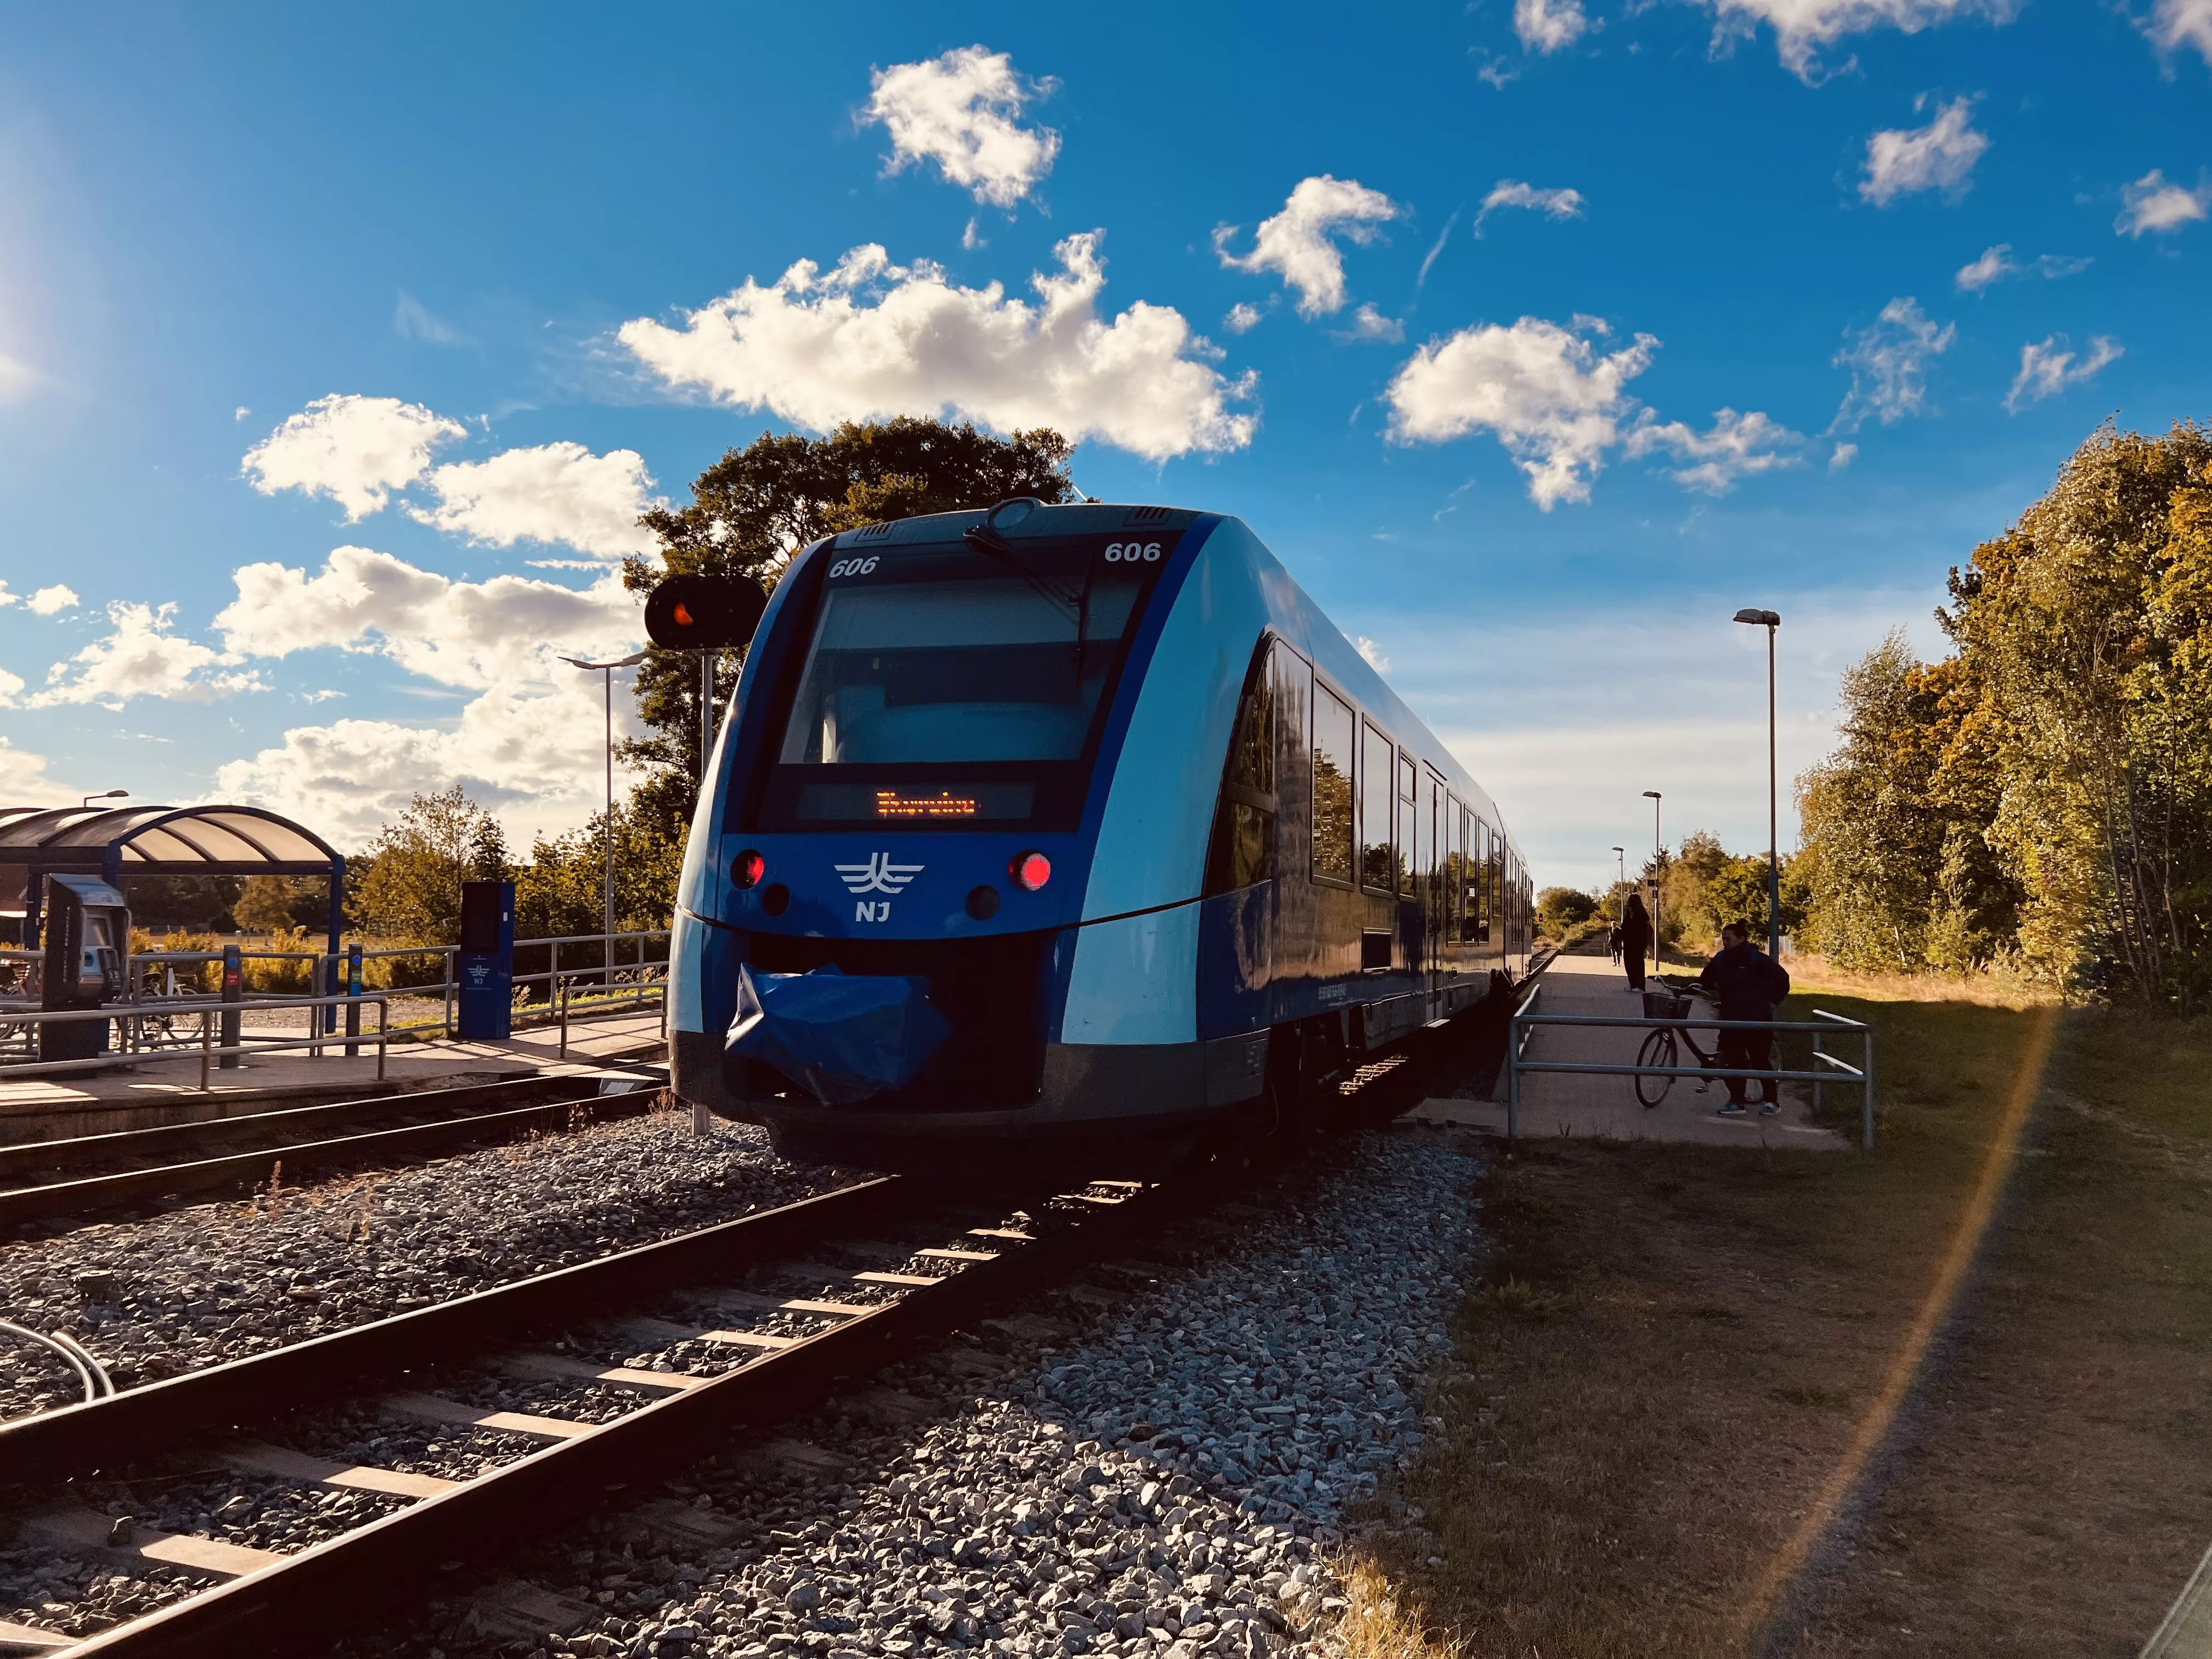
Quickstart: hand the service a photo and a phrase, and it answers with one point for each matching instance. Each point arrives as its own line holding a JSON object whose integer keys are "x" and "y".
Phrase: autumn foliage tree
{"x": 2044, "y": 794}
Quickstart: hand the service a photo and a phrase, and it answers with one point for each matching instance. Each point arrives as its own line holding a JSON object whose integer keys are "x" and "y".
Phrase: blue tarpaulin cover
{"x": 845, "y": 1036}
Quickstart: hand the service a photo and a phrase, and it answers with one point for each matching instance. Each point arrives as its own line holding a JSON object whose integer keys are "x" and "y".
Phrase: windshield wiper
{"x": 985, "y": 539}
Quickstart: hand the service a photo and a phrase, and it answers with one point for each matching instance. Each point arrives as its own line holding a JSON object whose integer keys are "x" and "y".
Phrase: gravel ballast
{"x": 1160, "y": 1471}
{"x": 198, "y": 1286}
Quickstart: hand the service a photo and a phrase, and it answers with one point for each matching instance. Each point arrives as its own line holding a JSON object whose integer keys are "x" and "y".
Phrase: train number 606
{"x": 853, "y": 567}
{"x": 1133, "y": 552}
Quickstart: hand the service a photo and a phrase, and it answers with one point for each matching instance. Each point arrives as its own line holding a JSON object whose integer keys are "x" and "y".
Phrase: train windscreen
{"x": 958, "y": 685}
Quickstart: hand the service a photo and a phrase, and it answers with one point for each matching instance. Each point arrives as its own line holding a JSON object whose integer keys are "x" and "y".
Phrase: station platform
{"x": 1567, "y": 1104}
{"x": 147, "y": 1091}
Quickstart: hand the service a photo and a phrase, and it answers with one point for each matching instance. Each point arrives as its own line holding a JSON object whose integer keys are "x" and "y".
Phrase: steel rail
{"x": 237, "y": 1170}
{"x": 402, "y": 1555}
{"x": 73, "y": 1440}
{"x": 179, "y": 1142}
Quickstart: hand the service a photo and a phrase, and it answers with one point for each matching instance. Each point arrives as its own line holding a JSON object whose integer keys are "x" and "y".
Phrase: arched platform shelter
{"x": 112, "y": 842}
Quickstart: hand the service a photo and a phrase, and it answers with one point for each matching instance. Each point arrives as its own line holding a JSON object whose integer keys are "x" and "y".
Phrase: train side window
{"x": 1378, "y": 787}
{"x": 1243, "y": 846}
{"x": 1433, "y": 890}
{"x": 1485, "y": 873}
{"x": 1333, "y": 739}
{"x": 1454, "y": 878}
{"x": 1410, "y": 850}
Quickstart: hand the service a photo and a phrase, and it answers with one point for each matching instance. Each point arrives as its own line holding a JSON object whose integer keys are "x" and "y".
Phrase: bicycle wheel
{"x": 1658, "y": 1049}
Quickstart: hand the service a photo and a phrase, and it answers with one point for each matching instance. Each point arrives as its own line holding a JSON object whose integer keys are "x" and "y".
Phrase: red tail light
{"x": 1031, "y": 871}
{"x": 749, "y": 867}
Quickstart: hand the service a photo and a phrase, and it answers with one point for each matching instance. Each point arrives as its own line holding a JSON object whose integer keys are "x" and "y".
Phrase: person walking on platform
{"x": 1613, "y": 943}
{"x": 1635, "y": 938}
{"x": 1746, "y": 984}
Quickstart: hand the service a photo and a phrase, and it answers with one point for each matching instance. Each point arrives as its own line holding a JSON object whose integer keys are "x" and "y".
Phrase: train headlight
{"x": 748, "y": 867}
{"x": 1031, "y": 871}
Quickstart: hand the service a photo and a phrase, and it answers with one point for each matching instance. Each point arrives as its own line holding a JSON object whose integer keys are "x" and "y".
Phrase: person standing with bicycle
{"x": 1746, "y": 984}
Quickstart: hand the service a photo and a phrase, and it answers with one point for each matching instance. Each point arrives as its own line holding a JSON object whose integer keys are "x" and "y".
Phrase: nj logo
{"x": 877, "y": 875}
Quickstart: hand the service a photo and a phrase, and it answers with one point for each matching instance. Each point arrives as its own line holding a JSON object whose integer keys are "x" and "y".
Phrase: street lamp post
{"x": 1658, "y": 852}
{"x": 1621, "y": 857}
{"x": 607, "y": 669}
{"x": 1769, "y": 621}
{"x": 106, "y": 795}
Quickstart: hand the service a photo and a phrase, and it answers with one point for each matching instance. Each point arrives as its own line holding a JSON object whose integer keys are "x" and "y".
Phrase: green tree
{"x": 1558, "y": 909}
{"x": 277, "y": 905}
{"x": 2083, "y": 630}
{"x": 410, "y": 879}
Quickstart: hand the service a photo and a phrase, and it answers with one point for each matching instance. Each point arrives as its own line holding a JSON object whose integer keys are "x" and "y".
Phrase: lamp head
{"x": 1652, "y": 794}
{"x": 1758, "y": 618}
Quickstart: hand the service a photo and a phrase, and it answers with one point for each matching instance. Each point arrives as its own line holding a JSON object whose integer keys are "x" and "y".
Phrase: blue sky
{"x": 357, "y": 340}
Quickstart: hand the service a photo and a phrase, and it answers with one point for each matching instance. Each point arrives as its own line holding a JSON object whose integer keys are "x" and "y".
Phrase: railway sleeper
{"x": 263, "y": 1594}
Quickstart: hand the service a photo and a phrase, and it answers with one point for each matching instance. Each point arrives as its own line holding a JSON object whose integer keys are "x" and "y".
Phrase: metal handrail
{"x": 210, "y": 1050}
{"x": 1824, "y": 1024}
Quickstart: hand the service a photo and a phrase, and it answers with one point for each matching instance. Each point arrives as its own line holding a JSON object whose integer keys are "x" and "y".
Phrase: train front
{"x": 882, "y": 899}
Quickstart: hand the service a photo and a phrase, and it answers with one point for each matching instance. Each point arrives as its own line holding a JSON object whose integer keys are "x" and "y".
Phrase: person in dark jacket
{"x": 1613, "y": 943}
{"x": 1635, "y": 938}
{"x": 1746, "y": 984}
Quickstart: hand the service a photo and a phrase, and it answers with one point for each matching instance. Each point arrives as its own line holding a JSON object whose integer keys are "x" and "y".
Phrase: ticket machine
{"x": 487, "y": 961}
{"x": 87, "y": 934}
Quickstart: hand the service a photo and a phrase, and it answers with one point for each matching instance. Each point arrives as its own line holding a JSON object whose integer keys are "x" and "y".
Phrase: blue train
{"x": 1163, "y": 856}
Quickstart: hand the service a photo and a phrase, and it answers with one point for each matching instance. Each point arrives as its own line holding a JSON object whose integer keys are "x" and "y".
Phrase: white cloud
{"x": 1903, "y": 160}
{"x": 413, "y": 320}
{"x": 1997, "y": 263}
{"x": 241, "y": 412}
{"x": 143, "y": 659}
{"x": 1552, "y": 400}
{"x": 2153, "y": 204}
{"x": 535, "y": 755}
{"x": 2173, "y": 23}
{"x": 2047, "y": 368}
{"x": 23, "y": 779}
{"x": 1889, "y": 361}
{"x": 1842, "y": 457}
{"x": 1737, "y": 446}
{"x": 1802, "y": 28}
{"x": 558, "y": 492}
{"x": 476, "y": 635}
{"x": 1242, "y": 319}
{"x": 1548, "y": 26}
{"x": 1369, "y": 324}
{"x": 356, "y": 450}
{"x": 1511, "y": 192}
{"x": 51, "y": 601}
{"x": 962, "y": 111}
{"x": 1369, "y": 650}
{"x": 1298, "y": 244}
{"x": 12, "y": 687}
{"x": 870, "y": 339}
{"x": 969, "y": 240}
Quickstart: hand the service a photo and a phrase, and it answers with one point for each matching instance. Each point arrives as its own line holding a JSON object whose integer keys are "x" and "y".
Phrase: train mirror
{"x": 703, "y": 613}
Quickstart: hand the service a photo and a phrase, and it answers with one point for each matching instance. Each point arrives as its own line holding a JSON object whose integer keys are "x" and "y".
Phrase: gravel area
{"x": 194, "y": 1287}
{"x": 1159, "y": 1467}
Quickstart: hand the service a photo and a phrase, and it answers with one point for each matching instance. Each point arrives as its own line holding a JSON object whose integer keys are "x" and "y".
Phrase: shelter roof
{"x": 161, "y": 841}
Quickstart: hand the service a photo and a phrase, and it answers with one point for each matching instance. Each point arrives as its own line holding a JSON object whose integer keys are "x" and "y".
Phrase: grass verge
{"x": 1718, "y": 1400}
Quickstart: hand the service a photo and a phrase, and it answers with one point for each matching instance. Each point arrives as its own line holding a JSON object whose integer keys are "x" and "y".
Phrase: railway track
{"x": 631, "y": 1364}
{"x": 44, "y": 1180}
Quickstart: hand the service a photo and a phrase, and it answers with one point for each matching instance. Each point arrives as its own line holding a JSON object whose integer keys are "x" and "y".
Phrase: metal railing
{"x": 1822, "y": 1025}
{"x": 210, "y": 1051}
{"x": 147, "y": 1018}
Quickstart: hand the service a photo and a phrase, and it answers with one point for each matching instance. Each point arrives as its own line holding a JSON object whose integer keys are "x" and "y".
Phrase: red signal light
{"x": 749, "y": 867}
{"x": 1031, "y": 871}
{"x": 684, "y": 617}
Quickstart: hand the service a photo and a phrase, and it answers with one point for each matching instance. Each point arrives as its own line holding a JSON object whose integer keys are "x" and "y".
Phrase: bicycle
{"x": 1663, "y": 1045}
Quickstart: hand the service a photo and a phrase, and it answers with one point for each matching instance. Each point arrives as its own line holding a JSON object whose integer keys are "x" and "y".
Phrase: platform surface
{"x": 1568, "y": 1103}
